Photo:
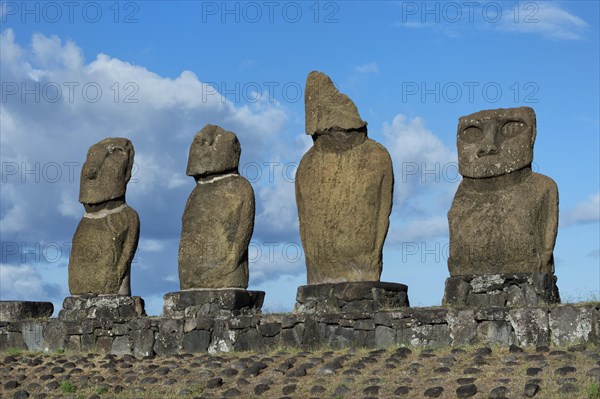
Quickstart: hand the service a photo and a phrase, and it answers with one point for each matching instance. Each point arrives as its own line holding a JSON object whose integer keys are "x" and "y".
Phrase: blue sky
{"x": 157, "y": 72}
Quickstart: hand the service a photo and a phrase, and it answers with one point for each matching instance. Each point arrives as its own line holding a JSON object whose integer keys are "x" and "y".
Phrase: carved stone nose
{"x": 91, "y": 171}
{"x": 488, "y": 150}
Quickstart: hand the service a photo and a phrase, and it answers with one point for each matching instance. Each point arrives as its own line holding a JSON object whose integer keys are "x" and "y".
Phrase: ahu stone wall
{"x": 421, "y": 327}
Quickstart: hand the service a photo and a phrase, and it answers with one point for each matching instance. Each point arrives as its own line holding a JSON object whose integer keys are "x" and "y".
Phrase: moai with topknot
{"x": 344, "y": 189}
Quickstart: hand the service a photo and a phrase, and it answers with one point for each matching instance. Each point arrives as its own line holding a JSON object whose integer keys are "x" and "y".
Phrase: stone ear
{"x": 130, "y": 160}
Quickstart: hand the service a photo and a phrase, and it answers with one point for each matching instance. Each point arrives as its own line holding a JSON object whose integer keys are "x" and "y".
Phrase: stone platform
{"x": 119, "y": 307}
{"x": 368, "y": 296}
{"x": 212, "y": 302}
{"x": 24, "y": 310}
{"x": 503, "y": 290}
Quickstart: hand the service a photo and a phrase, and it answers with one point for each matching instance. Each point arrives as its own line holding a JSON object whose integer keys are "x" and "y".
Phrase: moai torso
{"x": 102, "y": 252}
{"x": 106, "y": 239}
{"x": 344, "y": 189}
{"x": 218, "y": 220}
{"x": 504, "y": 217}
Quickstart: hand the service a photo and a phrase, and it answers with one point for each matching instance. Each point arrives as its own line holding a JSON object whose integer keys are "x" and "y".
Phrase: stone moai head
{"x": 213, "y": 151}
{"x": 495, "y": 142}
{"x": 326, "y": 109}
{"x": 106, "y": 171}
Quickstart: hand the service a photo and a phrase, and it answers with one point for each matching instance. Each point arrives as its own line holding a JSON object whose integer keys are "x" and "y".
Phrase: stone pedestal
{"x": 367, "y": 296}
{"x": 22, "y": 310}
{"x": 212, "y": 302}
{"x": 82, "y": 307}
{"x": 503, "y": 290}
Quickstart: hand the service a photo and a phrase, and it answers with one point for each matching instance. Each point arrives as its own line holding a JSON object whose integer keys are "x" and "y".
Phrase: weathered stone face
{"x": 218, "y": 220}
{"x": 106, "y": 171}
{"x": 214, "y": 150}
{"x": 495, "y": 142}
{"x": 107, "y": 236}
{"x": 344, "y": 189}
{"x": 507, "y": 222}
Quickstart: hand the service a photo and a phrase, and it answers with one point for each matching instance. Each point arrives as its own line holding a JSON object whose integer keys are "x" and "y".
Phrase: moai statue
{"x": 219, "y": 215}
{"x": 106, "y": 239}
{"x": 217, "y": 225}
{"x": 107, "y": 236}
{"x": 504, "y": 217}
{"x": 344, "y": 187}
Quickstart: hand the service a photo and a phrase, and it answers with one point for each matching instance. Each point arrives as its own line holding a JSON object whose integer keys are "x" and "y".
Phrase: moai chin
{"x": 107, "y": 236}
{"x": 344, "y": 187}
{"x": 218, "y": 220}
{"x": 504, "y": 217}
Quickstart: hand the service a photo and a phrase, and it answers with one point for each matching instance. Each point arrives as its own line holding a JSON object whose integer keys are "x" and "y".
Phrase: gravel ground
{"x": 476, "y": 372}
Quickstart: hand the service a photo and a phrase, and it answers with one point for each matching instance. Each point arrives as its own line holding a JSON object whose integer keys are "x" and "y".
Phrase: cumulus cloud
{"x": 587, "y": 211}
{"x": 421, "y": 160}
{"x": 426, "y": 177}
{"x": 24, "y": 282}
{"x": 56, "y": 104}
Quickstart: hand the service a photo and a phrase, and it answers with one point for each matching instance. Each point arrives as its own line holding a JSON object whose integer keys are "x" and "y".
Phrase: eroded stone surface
{"x": 218, "y": 220}
{"x": 420, "y": 327}
{"x": 23, "y": 310}
{"x": 350, "y": 297}
{"x": 504, "y": 217}
{"x": 107, "y": 236}
{"x": 206, "y": 302}
{"x": 344, "y": 189}
{"x": 509, "y": 289}
{"x": 79, "y": 308}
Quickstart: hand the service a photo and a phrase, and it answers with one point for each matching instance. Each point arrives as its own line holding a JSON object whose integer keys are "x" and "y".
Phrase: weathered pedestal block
{"x": 504, "y": 217}
{"x": 115, "y": 307}
{"x": 212, "y": 302}
{"x": 24, "y": 310}
{"x": 502, "y": 290}
{"x": 364, "y": 296}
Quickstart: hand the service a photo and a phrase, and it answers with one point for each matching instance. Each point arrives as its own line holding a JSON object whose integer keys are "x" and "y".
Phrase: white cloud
{"x": 161, "y": 120}
{"x": 587, "y": 211}
{"x": 547, "y": 19}
{"x": 24, "y": 282}
{"x": 419, "y": 230}
{"x": 278, "y": 204}
{"x": 150, "y": 245}
{"x": 420, "y": 159}
{"x": 371, "y": 67}
{"x": 69, "y": 206}
{"x": 271, "y": 260}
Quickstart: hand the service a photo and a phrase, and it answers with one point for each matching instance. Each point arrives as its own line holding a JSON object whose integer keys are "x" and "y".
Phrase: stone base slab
{"x": 119, "y": 307}
{"x": 364, "y": 296}
{"x": 23, "y": 310}
{"x": 503, "y": 290}
{"x": 212, "y": 302}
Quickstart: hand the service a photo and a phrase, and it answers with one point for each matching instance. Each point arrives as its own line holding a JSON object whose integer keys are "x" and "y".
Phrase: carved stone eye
{"x": 471, "y": 134}
{"x": 513, "y": 128}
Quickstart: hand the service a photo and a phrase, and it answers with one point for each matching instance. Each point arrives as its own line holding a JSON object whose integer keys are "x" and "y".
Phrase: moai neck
{"x": 339, "y": 140}
{"x": 215, "y": 176}
{"x": 497, "y": 182}
{"x": 105, "y": 206}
